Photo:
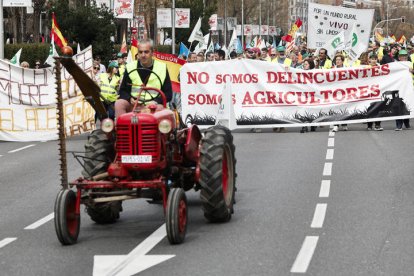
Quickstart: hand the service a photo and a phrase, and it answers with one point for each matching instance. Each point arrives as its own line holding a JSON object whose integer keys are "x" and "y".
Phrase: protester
{"x": 209, "y": 56}
{"x": 403, "y": 56}
{"x": 25, "y": 64}
{"x": 252, "y": 53}
{"x": 103, "y": 68}
{"x": 192, "y": 57}
{"x": 219, "y": 55}
{"x": 200, "y": 57}
{"x": 109, "y": 83}
{"x": 273, "y": 55}
{"x": 324, "y": 61}
{"x": 37, "y": 64}
{"x": 373, "y": 61}
{"x": 264, "y": 54}
{"x": 233, "y": 55}
{"x": 121, "y": 61}
{"x": 339, "y": 63}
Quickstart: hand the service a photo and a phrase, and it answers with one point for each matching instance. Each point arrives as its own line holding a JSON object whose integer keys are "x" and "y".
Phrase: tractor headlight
{"x": 107, "y": 125}
{"x": 164, "y": 126}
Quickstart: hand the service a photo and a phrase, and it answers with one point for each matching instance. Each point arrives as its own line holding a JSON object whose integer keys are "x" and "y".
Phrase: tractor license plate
{"x": 136, "y": 159}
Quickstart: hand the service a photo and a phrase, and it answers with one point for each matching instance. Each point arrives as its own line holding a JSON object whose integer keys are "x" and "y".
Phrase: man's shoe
{"x": 345, "y": 128}
{"x": 369, "y": 128}
{"x": 256, "y": 130}
{"x": 378, "y": 129}
{"x": 398, "y": 129}
{"x": 335, "y": 129}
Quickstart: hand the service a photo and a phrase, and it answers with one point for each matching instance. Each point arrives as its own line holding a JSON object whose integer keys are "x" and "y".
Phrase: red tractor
{"x": 147, "y": 153}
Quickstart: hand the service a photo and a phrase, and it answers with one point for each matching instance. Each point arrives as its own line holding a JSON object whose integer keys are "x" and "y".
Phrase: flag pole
{"x": 173, "y": 27}
{"x": 1, "y": 31}
{"x": 191, "y": 43}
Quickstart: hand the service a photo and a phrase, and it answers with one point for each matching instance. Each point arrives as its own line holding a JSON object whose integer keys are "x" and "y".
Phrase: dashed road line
{"x": 6, "y": 241}
{"x": 331, "y": 133}
{"x": 40, "y": 222}
{"x": 319, "y": 215}
{"x": 330, "y": 154}
{"x": 331, "y": 142}
{"x": 327, "y": 169}
{"x": 1, "y": 155}
{"x": 325, "y": 187}
{"x": 305, "y": 255}
{"x": 19, "y": 149}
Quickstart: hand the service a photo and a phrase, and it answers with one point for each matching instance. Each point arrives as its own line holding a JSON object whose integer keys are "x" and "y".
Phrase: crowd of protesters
{"x": 301, "y": 57}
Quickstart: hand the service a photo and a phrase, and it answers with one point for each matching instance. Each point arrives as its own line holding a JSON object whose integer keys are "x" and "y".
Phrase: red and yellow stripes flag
{"x": 402, "y": 39}
{"x": 56, "y": 34}
{"x": 174, "y": 65}
{"x": 134, "y": 49}
{"x": 291, "y": 35}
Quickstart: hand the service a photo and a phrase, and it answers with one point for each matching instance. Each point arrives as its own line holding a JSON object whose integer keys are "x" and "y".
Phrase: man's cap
{"x": 403, "y": 52}
{"x": 255, "y": 49}
{"x": 281, "y": 48}
{"x": 119, "y": 55}
{"x": 113, "y": 64}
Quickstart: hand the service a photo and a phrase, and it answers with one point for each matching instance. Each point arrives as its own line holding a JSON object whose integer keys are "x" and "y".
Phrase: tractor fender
{"x": 191, "y": 147}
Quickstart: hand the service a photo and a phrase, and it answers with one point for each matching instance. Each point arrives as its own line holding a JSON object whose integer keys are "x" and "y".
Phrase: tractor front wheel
{"x": 217, "y": 174}
{"x": 104, "y": 213}
{"x": 176, "y": 216}
{"x": 67, "y": 222}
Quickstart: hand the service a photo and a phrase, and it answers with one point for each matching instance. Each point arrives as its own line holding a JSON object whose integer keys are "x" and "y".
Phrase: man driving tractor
{"x": 139, "y": 73}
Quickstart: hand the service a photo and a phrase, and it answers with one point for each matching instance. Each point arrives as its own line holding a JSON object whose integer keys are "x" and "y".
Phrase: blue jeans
{"x": 400, "y": 123}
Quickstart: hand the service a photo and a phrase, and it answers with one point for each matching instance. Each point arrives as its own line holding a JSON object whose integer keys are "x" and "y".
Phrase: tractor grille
{"x": 140, "y": 139}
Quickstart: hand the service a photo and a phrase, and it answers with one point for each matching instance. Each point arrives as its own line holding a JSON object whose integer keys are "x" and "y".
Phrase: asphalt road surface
{"x": 316, "y": 203}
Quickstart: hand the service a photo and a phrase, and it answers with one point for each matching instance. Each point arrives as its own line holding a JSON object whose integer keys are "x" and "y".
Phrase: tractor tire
{"x": 67, "y": 223}
{"x": 99, "y": 153}
{"x": 217, "y": 174}
{"x": 176, "y": 216}
{"x": 104, "y": 213}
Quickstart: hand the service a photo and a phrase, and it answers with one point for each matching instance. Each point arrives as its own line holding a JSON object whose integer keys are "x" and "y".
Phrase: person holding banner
{"x": 403, "y": 56}
{"x": 324, "y": 61}
{"x": 339, "y": 63}
{"x": 372, "y": 63}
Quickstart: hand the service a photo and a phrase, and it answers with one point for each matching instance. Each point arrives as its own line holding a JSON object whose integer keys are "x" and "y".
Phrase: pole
{"x": 242, "y": 24}
{"x": 387, "y": 20}
{"x": 225, "y": 23}
{"x": 1, "y": 31}
{"x": 268, "y": 15}
{"x": 173, "y": 27}
{"x": 260, "y": 19}
{"x": 155, "y": 23}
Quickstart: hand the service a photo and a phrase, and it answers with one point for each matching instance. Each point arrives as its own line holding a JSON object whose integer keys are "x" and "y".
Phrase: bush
{"x": 30, "y": 52}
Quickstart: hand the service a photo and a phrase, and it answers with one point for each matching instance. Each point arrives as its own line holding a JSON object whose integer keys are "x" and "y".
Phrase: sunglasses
{"x": 250, "y": 52}
{"x": 273, "y": 55}
{"x": 37, "y": 64}
{"x": 96, "y": 68}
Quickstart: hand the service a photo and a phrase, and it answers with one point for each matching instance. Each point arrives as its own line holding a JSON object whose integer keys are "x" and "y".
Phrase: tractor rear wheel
{"x": 99, "y": 153}
{"x": 217, "y": 174}
{"x": 67, "y": 223}
{"x": 104, "y": 213}
{"x": 176, "y": 216}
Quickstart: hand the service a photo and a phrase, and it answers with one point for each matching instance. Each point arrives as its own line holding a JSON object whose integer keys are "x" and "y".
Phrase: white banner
{"x": 264, "y": 30}
{"x": 248, "y": 29}
{"x": 272, "y": 30}
{"x": 266, "y": 95}
{"x": 255, "y": 29}
{"x": 17, "y": 3}
{"x": 102, "y": 3}
{"x": 325, "y": 21}
{"x": 182, "y": 18}
{"x": 212, "y": 22}
{"x": 28, "y": 102}
{"x": 124, "y": 9}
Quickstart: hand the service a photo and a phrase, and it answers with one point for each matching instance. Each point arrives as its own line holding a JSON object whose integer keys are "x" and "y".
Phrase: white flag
{"x": 78, "y": 50}
{"x": 335, "y": 44}
{"x": 196, "y": 34}
{"x": 52, "y": 53}
{"x": 355, "y": 43}
{"x": 233, "y": 41}
{"x": 16, "y": 58}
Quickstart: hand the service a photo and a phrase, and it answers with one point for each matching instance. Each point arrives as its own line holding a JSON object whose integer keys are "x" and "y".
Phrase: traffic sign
{"x": 17, "y": 3}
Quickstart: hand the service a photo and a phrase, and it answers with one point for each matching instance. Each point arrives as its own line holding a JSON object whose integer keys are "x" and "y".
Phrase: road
{"x": 315, "y": 204}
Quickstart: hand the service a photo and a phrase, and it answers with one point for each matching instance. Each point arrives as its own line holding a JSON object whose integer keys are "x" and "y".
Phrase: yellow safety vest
{"x": 159, "y": 68}
{"x": 109, "y": 88}
{"x": 412, "y": 57}
{"x": 327, "y": 64}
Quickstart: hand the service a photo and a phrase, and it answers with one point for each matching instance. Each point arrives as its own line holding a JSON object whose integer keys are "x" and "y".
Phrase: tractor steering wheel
{"x": 151, "y": 91}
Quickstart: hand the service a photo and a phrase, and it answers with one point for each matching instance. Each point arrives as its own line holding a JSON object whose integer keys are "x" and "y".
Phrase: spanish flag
{"x": 134, "y": 49}
{"x": 291, "y": 35}
{"x": 402, "y": 39}
{"x": 174, "y": 65}
{"x": 56, "y": 34}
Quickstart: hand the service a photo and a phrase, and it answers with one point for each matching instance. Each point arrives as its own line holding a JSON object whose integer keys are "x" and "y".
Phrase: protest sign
{"x": 267, "y": 95}
{"x": 124, "y": 9}
{"x": 28, "y": 102}
{"x": 325, "y": 21}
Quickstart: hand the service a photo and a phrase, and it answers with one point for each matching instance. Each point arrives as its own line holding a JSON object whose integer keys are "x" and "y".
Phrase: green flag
{"x": 16, "y": 58}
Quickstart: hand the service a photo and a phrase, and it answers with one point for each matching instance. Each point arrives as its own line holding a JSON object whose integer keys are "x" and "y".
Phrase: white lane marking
{"x": 40, "y": 222}
{"x": 329, "y": 154}
{"x": 325, "y": 187}
{"x": 319, "y": 215}
{"x": 6, "y": 241}
{"x": 19, "y": 149}
{"x": 331, "y": 142}
{"x": 331, "y": 133}
{"x": 327, "y": 169}
{"x": 1, "y": 155}
{"x": 44, "y": 141}
{"x": 305, "y": 255}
